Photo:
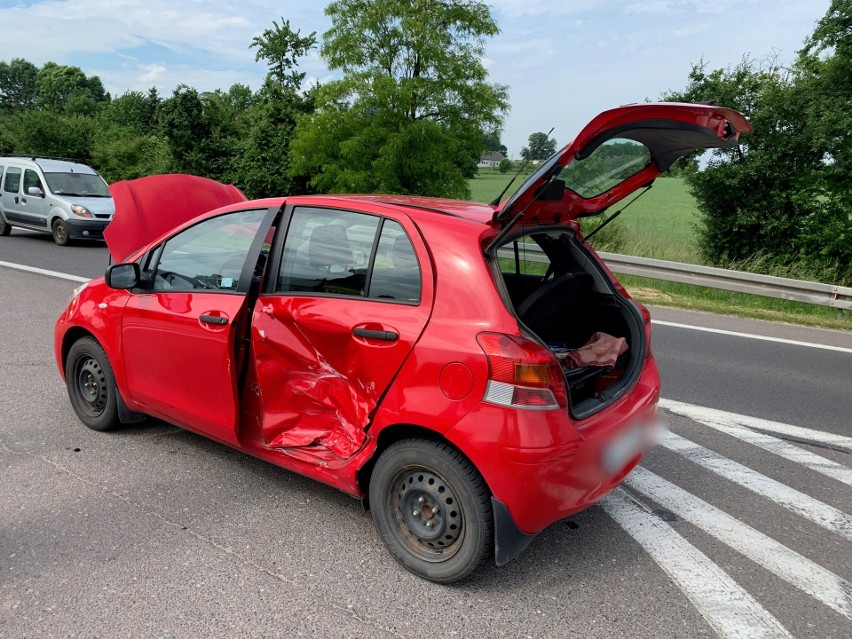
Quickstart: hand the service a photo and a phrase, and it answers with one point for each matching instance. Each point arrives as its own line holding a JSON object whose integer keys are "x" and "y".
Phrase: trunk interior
{"x": 560, "y": 294}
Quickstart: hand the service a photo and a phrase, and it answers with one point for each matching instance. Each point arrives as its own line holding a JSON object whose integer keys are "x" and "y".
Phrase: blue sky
{"x": 563, "y": 60}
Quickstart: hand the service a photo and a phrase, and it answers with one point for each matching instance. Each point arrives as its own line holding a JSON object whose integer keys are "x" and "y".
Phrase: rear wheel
{"x": 91, "y": 385}
{"x": 5, "y": 227}
{"x": 60, "y": 232}
{"x": 432, "y": 510}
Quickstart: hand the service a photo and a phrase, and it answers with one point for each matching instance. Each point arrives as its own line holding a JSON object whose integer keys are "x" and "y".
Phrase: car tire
{"x": 91, "y": 385}
{"x": 432, "y": 509}
{"x": 5, "y": 227}
{"x": 60, "y": 232}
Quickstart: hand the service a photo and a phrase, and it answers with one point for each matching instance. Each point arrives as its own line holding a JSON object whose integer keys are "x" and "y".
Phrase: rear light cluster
{"x": 522, "y": 373}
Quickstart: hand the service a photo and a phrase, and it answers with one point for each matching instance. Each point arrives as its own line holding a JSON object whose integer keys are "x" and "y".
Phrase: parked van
{"x": 67, "y": 199}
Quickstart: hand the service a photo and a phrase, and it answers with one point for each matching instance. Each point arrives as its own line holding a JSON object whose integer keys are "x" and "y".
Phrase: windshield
{"x": 77, "y": 184}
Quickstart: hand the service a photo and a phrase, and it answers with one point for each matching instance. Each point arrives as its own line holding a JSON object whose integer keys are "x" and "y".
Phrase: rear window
{"x": 608, "y": 165}
{"x": 12, "y": 181}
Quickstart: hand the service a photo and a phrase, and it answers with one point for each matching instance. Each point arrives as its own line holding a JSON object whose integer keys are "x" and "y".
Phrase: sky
{"x": 564, "y": 61}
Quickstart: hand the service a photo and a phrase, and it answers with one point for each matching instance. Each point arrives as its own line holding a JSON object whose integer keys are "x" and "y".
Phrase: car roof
{"x": 475, "y": 211}
{"x": 55, "y": 166}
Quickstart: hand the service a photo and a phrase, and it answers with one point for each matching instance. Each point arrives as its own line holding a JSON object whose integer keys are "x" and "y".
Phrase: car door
{"x": 181, "y": 335}
{"x": 348, "y": 296}
{"x": 11, "y": 195}
{"x": 33, "y": 206}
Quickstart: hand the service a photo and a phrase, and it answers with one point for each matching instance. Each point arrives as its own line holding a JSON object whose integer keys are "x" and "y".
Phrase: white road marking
{"x": 41, "y": 271}
{"x": 818, "y": 512}
{"x": 786, "y": 450}
{"x": 787, "y": 564}
{"x": 764, "y": 338}
{"x": 729, "y": 609}
{"x": 703, "y": 415}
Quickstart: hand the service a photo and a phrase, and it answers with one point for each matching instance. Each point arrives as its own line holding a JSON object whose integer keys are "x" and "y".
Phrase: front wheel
{"x": 91, "y": 385}
{"x": 432, "y": 510}
{"x": 60, "y": 232}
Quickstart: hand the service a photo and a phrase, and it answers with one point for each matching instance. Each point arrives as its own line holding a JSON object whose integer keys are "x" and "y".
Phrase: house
{"x": 490, "y": 160}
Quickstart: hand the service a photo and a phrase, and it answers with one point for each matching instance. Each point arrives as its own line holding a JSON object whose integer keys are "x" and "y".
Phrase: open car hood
{"x": 147, "y": 207}
{"x": 618, "y": 152}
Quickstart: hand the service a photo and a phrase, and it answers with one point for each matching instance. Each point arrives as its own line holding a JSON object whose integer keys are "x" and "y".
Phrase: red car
{"x": 472, "y": 372}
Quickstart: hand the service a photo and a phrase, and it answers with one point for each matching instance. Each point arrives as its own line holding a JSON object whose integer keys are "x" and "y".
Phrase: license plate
{"x": 628, "y": 444}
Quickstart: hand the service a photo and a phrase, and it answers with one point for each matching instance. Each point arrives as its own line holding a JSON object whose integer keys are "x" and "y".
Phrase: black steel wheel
{"x": 60, "y": 232}
{"x": 91, "y": 385}
{"x": 5, "y": 227}
{"x": 432, "y": 509}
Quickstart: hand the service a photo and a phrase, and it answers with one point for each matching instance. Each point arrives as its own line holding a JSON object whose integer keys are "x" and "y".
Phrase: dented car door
{"x": 347, "y": 297}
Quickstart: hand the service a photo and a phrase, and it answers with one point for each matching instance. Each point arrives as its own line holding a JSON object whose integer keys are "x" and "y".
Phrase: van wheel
{"x": 91, "y": 385}
{"x": 432, "y": 510}
{"x": 60, "y": 232}
{"x": 5, "y": 227}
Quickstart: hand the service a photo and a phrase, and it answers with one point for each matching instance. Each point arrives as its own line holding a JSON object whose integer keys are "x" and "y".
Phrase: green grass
{"x": 662, "y": 224}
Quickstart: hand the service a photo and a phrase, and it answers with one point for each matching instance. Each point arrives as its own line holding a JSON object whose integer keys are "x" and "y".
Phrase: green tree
{"x": 410, "y": 113}
{"x": 505, "y": 165}
{"x": 263, "y": 166}
{"x": 188, "y": 131}
{"x": 491, "y": 142}
{"x": 540, "y": 147}
{"x": 65, "y": 89}
{"x": 789, "y": 197}
{"x": 17, "y": 85}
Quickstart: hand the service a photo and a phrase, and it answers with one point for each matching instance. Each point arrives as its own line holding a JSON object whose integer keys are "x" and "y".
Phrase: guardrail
{"x": 839, "y": 297}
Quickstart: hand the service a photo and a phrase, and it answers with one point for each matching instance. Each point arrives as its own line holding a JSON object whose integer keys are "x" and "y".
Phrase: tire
{"x": 5, "y": 227}
{"x": 432, "y": 510}
{"x": 91, "y": 385}
{"x": 60, "y": 232}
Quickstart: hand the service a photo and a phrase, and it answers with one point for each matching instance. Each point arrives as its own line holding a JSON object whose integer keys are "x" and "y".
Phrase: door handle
{"x": 387, "y": 336}
{"x": 214, "y": 319}
{"x": 16, "y": 199}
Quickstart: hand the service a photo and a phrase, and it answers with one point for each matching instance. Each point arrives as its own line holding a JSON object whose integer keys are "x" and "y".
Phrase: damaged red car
{"x": 472, "y": 372}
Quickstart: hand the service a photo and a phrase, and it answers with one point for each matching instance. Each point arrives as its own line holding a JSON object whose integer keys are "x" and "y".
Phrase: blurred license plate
{"x": 628, "y": 444}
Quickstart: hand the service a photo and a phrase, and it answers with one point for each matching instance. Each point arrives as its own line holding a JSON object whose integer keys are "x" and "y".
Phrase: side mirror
{"x": 34, "y": 190}
{"x": 124, "y": 276}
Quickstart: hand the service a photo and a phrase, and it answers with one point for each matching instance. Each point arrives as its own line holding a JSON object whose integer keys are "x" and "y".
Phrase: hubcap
{"x": 60, "y": 232}
{"x": 91, "y": 386}
{"x": 428, "y": 514}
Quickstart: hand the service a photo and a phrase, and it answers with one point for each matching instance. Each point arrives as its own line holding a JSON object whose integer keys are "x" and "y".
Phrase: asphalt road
{"x": 154, "y": 532}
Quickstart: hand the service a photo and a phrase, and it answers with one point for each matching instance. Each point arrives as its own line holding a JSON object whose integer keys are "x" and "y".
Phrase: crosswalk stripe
{"x": 704, "y": 414}
{"x": 729, "y": 609}
{"x": 787, "y": 564}
{"x": 786, "y": 450}
{"x": 820, "y": 513}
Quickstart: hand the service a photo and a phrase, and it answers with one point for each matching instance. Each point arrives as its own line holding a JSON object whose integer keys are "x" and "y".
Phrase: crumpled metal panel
{"x": 310, "y": 399}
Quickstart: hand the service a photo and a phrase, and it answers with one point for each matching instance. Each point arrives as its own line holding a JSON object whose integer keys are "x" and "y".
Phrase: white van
{"x": 67, "y": 199}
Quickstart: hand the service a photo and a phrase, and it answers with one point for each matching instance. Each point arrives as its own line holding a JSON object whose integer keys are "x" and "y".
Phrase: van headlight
{"x": 81, "y": 211}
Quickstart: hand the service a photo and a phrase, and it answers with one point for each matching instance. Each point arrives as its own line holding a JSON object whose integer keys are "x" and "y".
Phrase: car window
{"x": 396, "y": 272}
{"x": 608, "y": 165}
{"x": 327, "y": 251}
{"x": 78, "y": 184}
{"x": 12, "y": 181}
{"x": 209, "y": 255}
{"x": 31, "y": 178}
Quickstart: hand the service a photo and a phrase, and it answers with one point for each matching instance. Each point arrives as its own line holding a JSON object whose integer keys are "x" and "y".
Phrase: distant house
{"x": 490, "y": 160}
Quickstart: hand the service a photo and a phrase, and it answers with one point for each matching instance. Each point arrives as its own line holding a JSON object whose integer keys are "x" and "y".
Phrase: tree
{"x": 263, "y": 165}
{"x": 505, "y": 165}
{"x": 540, "y": 147}
{"x": 411, "y": 110}
{"x": 17, "y": 85}
{"x": 65, "y": 89}
{"x": 491, "y": 142}
{"x": 788, "y": 197}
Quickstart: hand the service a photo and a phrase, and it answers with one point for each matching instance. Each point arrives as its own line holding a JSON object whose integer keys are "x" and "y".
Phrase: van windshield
{"x": 77, "y": 184}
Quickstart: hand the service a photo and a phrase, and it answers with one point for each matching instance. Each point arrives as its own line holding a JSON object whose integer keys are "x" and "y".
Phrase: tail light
{"x": 522, "y": 374}
{"x": 646, "y": 320}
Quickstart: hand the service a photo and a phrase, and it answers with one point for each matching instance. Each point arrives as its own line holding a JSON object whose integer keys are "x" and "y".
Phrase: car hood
{"x": 148, "y": 207}
{"x": 618, "y": 152}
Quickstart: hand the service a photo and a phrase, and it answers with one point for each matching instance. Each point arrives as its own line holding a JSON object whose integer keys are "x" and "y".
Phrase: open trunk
{"x": 560, "y": 294}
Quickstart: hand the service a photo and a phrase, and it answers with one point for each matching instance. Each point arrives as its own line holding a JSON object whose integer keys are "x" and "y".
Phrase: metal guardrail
{"x": 839, "y": 297}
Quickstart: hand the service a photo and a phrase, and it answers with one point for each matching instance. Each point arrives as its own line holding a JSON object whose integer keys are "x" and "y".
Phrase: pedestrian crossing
{"x": 729, "y": 609}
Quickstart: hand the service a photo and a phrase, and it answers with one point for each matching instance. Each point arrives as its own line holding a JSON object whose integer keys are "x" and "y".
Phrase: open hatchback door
{"x": 618, "y": 152}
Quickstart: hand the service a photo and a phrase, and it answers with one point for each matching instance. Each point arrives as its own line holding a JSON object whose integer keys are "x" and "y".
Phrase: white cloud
{"x": 152, "y": 72}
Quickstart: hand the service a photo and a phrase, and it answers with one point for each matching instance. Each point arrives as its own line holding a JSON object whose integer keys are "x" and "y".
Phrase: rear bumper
{"x": 541, "y": 468}
{"x": 86, "y": 229}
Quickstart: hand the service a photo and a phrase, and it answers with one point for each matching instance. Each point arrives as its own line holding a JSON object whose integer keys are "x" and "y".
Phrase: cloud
{"x": 152, "y": 72}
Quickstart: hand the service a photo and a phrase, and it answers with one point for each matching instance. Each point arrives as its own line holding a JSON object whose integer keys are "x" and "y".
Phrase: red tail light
{"x": 522, "y": 374}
